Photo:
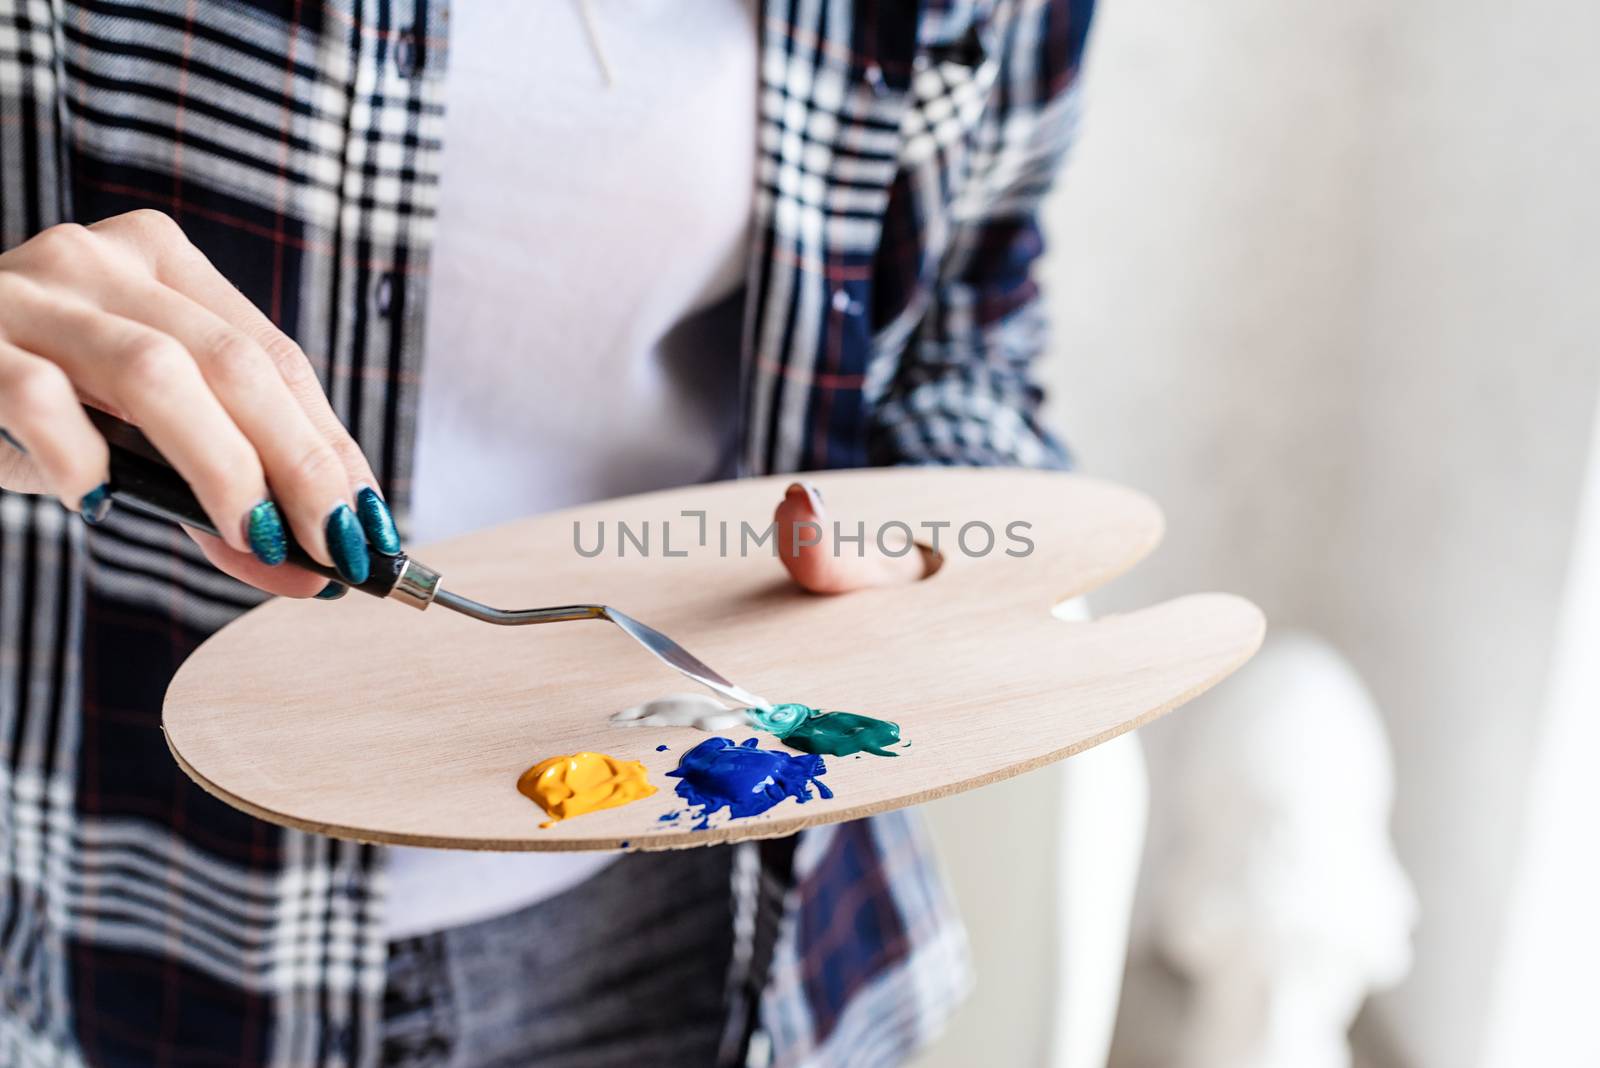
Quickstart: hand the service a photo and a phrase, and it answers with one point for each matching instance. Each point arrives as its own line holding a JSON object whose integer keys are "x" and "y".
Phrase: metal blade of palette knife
{"x": 678, "y": 657}
{"x": 664, "y": 648}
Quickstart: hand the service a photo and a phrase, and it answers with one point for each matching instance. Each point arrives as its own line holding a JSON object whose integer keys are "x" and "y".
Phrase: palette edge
{"x": 746, "y": 829}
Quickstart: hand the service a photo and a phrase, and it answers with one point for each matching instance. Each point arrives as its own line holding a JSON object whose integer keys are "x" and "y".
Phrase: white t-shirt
{"x": 584, "y": 311}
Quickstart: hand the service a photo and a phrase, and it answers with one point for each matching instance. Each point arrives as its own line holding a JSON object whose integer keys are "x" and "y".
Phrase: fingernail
{"x": 263, "y": 529}
{"x": 347, "y": 545}
{"x": 377, "y": 521}
{"x": 96, "y": 504}
{"x": 332, "y": 591}
{"x": 813, "y": 494}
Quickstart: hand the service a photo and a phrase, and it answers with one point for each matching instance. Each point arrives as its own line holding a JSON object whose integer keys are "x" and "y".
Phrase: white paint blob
{"x": 684, "y": 710}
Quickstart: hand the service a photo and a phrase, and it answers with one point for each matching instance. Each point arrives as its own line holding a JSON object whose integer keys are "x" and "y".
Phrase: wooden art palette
{"x": 367, "y": 719}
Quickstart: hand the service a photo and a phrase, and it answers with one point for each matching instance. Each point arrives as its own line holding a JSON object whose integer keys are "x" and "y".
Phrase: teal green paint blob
{"x": 843, "y": 733}
{"x": 832, "y": 733}
{"x": 781, "y": 719}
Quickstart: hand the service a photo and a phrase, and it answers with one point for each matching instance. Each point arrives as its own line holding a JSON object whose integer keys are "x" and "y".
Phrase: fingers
{"x": 40, "y": 410}
{"x": 151, "y": 377}
{"x": 309, "y": 481}
{"x": 135, "y": 320}
{"x": 810, "y": 556}
{"x": 178, "y": 264}
{"x": 284, "y": 581}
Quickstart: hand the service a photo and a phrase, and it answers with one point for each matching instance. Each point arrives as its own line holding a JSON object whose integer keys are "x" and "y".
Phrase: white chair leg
{"x": 1104, "y": 806}
{"x": 1044, "y": 868}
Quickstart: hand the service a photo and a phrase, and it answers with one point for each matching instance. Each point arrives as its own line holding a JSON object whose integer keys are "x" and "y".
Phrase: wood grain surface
{"x": 367, "y": 719}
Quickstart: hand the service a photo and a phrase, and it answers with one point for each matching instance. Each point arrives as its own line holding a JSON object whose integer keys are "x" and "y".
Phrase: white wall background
{"x": 1324, "y": 279}
{"x": 1542, "y": 1005}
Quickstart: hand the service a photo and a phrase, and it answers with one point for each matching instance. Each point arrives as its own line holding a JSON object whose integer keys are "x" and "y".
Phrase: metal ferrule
{"x": 416, "y": 585}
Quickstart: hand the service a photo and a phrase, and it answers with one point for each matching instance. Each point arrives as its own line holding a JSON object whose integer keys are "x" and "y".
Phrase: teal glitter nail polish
{"x": 377, "y": 521}
{"x": 96, "y": 504}
{"x": 332, "y": 591}
{"x": 347, "y": 545}
{"x": 263, "y": 529}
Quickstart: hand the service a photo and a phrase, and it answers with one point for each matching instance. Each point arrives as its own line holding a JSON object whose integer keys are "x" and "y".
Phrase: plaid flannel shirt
{"x": 891, "y": 318}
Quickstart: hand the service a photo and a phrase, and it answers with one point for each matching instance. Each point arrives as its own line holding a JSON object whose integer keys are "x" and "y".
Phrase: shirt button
{"x": 405, "y": 53}
{"x": 338, "y": 1039}
{"x": 383, "y": 293}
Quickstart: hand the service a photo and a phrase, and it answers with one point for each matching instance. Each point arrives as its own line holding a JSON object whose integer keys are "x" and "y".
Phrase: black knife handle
{"x": 143, "y": 481}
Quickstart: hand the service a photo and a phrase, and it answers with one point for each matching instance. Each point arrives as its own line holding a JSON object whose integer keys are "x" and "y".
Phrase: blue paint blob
{"x": 661, "y": 749}
{"x": 669, "y": 817}
{"x": 718, "y": 774}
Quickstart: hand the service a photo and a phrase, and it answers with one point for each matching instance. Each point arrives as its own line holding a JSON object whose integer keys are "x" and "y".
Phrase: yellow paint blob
{"x": 567, "y": 786}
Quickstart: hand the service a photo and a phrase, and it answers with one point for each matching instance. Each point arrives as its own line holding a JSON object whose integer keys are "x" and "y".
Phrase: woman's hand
{"x": 807, "y": 548}
{"x": 130, "y": 317}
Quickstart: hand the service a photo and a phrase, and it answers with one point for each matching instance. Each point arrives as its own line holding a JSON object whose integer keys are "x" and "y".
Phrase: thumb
{"x": 809, "y": 551}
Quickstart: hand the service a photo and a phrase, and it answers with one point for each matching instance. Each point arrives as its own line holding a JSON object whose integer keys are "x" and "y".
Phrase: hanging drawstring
{"x": 593, "y": 33}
